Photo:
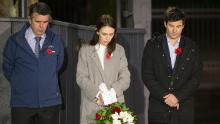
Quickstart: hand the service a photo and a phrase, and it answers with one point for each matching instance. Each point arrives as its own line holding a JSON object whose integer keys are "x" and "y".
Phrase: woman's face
{"x": 105, "y": 34}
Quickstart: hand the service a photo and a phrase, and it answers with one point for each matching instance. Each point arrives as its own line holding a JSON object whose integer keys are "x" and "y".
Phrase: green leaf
{"x": 107, "y": 122}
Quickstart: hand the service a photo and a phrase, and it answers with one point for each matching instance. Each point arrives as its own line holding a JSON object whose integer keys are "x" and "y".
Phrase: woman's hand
{"x": 100, "y": 100}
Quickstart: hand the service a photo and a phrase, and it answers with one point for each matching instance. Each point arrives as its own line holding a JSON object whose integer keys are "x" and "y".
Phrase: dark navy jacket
{"x": 34, "y": 81}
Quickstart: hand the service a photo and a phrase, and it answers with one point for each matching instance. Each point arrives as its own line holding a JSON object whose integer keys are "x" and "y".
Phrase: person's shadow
{"x": 134, "y": 95}
{"x": 5, "y": 116}
{"x": 4, "y": 100}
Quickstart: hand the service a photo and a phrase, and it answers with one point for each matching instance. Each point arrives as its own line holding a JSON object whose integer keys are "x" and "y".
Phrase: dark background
{"x": 202, "y": 25}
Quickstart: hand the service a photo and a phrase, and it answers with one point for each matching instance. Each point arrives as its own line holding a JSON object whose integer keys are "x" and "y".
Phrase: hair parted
{"x": 174, "y": 14}
{"x": 41, "y": 8}
{"x": 105, "y": 20}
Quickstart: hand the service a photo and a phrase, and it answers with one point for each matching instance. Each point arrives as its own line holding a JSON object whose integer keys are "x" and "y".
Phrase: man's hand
{"x": 171, "y": 101}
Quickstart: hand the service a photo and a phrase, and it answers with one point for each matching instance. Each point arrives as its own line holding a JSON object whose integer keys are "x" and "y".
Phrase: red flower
{"x": 178, "y": 51}
{"x": 97, "y": 116}
{"x": 108, "y": 56}
{"x": 49, "y": 51}
{"x": 116, "y": 109}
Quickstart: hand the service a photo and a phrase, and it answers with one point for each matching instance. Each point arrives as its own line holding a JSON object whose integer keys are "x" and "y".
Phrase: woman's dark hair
{"x": 41, "y": 8}
{"x": 105, "y": 20}
{"x": 174, "y": 14}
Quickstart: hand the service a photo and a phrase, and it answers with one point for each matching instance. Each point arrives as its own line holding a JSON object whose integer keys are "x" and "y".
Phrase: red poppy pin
{"x": 108, "y": 56}
{"x": 178, "y": 51}
{"x": 50, "y": 51}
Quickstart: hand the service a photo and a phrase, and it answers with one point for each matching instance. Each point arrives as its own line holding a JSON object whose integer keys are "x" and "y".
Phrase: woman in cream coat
{"x": 101, "y": 61}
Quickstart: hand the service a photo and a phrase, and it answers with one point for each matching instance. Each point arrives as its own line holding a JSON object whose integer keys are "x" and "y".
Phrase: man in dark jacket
{"x": 32, "y": 58}
{"x": 171, "y": 70}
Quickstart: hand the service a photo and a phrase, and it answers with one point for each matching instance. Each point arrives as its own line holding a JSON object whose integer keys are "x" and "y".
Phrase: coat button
{"x": 177, "y": 78}
{"x": 182, "y": 68}
{"x": 170, "y": 88}
{"x": 171, "y": 83}
{"x": 187, "y": 59}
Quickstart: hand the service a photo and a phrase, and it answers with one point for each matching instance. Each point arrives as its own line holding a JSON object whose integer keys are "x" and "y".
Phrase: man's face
{"x": 174, "y": 29}
{"x": 39, "y": 23}
{"x": 106, "y": 34}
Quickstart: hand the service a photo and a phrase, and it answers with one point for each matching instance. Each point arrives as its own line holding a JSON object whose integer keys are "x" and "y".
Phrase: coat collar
{"x": 184, "y": 44}
{"x": 107, "y": 63}
{"x": 21, "y": 40}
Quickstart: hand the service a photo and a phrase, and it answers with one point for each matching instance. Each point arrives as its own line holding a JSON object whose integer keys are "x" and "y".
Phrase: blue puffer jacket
{"x": 34, "y": 81}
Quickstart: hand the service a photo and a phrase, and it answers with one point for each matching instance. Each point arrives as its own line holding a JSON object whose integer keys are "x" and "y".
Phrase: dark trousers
{"x": 47, "y": 115}
{"x": 156, "y": 123}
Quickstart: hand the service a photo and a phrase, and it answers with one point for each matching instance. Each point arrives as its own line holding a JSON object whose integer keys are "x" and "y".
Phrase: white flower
{"x": 115, "y": 116}
{"x": 130, "y": 118}
{"x": 116, "y": 122}
{"x": 122, "y": 115}
{"x": 126, "y": 117}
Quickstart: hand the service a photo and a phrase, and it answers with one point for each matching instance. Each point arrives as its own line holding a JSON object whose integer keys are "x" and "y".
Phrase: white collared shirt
{"x": 100, "y": 49}
{"x": 172, "y": 49}
{"x": 30, "y": 37}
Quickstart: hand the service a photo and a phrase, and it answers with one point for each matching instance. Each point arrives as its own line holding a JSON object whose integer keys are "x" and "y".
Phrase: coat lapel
{"x": 166, "y": 52}
{"x": 48, "y": 40}
{"x": 178, "y": 57}
{"x": 108, "y": 65}
{"x": 96, "y": 60}
{"x": 22, "y": 42}
{"x": 181, "y": 58}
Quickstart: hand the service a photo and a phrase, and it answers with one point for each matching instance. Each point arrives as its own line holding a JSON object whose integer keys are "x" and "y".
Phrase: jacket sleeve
{"x": 9, "y": 53}
{"x": 148, "y": 75}
{"x": 192, "y": 84}
{"x": 83, "y": 77}
{"x": 123, "y": 81}
{"x": 61, "y": 54}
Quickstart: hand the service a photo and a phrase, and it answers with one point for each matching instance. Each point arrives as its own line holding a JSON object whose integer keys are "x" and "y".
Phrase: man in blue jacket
{"x": 32, "y": 58}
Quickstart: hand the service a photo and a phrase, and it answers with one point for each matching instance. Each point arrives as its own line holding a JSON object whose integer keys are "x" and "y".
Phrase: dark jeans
{"x": 47, "y": 115}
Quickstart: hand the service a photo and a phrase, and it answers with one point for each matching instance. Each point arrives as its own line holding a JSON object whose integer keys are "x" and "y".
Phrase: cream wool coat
{"x": 90, "y": 74}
